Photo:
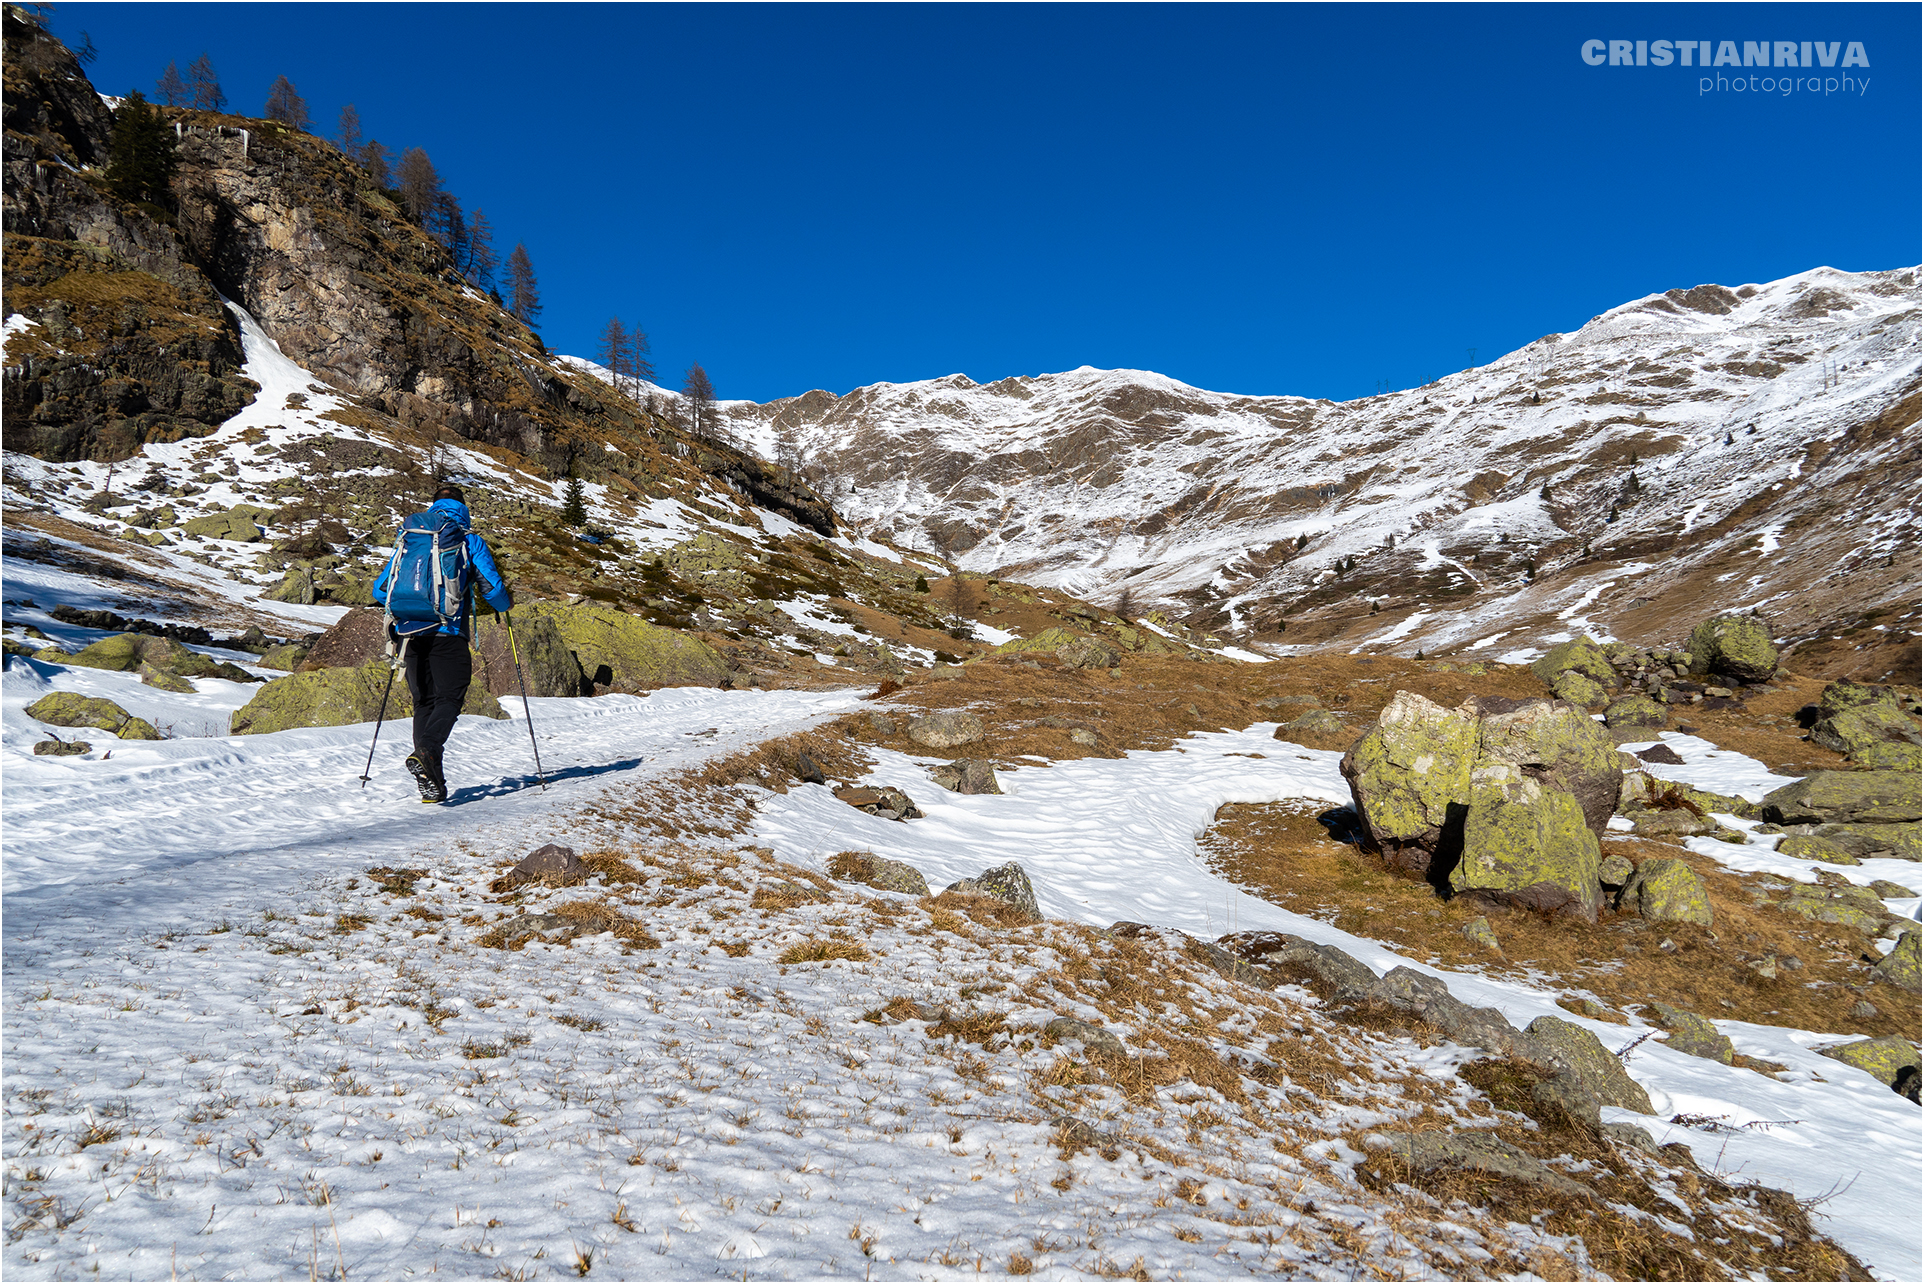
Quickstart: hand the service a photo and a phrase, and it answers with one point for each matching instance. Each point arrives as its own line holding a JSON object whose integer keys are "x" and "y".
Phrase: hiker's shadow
{"x": 516, "y": 784}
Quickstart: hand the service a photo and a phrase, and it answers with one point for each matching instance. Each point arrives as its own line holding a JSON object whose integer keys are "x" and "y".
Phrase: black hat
{"x": 449, "y": 491}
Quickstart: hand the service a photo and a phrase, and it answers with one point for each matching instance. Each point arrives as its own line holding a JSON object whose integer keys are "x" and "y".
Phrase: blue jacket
{"x": 493, "y": 587}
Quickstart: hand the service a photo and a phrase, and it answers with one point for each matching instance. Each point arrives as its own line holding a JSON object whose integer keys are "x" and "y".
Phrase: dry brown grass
{"x": 817, "y": 950}
{"x": 774, "y": 763}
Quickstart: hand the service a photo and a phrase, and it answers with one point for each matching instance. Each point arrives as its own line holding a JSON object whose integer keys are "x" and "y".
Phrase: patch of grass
{"x": 824, "y": 951}
{"x": 579, "y": 1023}
{"x": 351, "y": 923}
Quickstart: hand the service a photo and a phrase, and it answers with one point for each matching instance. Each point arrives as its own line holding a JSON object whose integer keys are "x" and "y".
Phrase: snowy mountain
{"x": 1691, "y": 451}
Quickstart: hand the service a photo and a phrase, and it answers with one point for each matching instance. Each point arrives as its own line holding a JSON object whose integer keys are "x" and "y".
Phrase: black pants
{"x": 439, "y": 670}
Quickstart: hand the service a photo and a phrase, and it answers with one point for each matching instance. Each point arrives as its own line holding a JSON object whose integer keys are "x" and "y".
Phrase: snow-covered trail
{"x": 293, "y": 800}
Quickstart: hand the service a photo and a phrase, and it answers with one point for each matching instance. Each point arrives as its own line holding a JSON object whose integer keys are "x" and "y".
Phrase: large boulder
{"x": 624, "y": 653}
{"x": 1897, "y": 842}
{"x": 238, "y": 523}
{"x": 967, "y": 776}
{"x": 1526, "y": 845}
{"x": 337, "y": 698}
{"x": 1885, "y": 1059}
{"x": 1734, "y": 647}
{"x": 1900, "y": 967}
{"x": 71, "y": 709}
{"x": 355, "y": 639}
{"x": 1579, "y": 656}
{"x": 1577, "y": 1050}
{"x": 1847, "y": 797}
{"x": 1410, "y": 778}
{"x": 142, "y": 652}
{"x": 945, "y": 730}
{"x": 1556, "y": 745}
{"x": 548, "y": 666}
{"x": 1874, "y": 734}
{"x": 1667, "y": 890}
{"x": 1579, "y": 689}
{"x": 1008, "y": 882}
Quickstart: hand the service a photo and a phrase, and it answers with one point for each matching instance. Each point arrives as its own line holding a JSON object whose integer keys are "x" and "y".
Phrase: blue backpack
{"x": 428, "y": 574}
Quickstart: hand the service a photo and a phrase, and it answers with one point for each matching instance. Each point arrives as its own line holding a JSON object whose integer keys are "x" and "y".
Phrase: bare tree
{"x": 613, "y": 352}
{"x": 419, "y": 184}
{"x": 698, "y": 398}
{"x": 285, "y": 105}
{"x": 206, "y": 85}
{"x": 170, "y": 89}
{"x": 524, "y": 296}
{"x": 482, "y": 260}
{"x": 348, "y": 133}
{"x": 640, "y": 368}
{"x": 376, "y": 160}
{"x": 1126, "y": 603}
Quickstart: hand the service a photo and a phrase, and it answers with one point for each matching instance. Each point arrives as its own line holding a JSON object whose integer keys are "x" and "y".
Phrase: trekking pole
{"x": 378, "y": 718}
{"x": 515, "y": 651}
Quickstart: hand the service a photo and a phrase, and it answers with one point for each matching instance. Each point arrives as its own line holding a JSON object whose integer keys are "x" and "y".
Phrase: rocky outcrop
{"x": 156, "y": 660}
{"x": 1869, "y": 724}
{"x": 1738, "y": 648}
{"x": 1498, "y": 798}
{"x": 1845, "y": 797}
{"x": 337, "y": 698}
{"x": 624, "y": 653}
{"x": 71, "y": 709}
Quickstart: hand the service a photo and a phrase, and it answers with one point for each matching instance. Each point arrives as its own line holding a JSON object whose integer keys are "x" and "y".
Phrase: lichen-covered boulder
{"x": 1874, "y": 734}
{"x": 1735, "y": 647}
{"x": 548, "y": 667}
{"x": 1634, "y": 711}
{"x": 238, "y": 523}
{"x": 878, "y": 872}
{"x": 1580, "y": 655}
{"x": 967, "y": 776}
{"x": 1900, "y": 967}
{"x": 71, "y": 709}
{"x": 1642, "y": 790}
{"x": 1577, "y": 1050}
{"x": 1898, "y": 842}
{"x": 1809, "y": 847}
{"x": 165, "y": 681}
{"x": 1321, "y": 729}
{"x": 338, "y": 698}
{"x": 1693, "y": 1034}
{"x": 1527, "y": 846}
{"x": 1879, "y": 797}
{"x": 1579, "y": 689}
{"x": 946, "y": 729}
{"x": 1859, "y": 909}
{"x": 1407, "y": 775}
{"x": 1884, "y": 1059}
{"x": 1667, "y": 890}
{"x": 1007, "y": 882}
{"x": 1615, "y": 870}
{"x": 287, "y": 657}
{"x": 125, "y": 652}
{"x": 1560, "y": 746}
{"x": 1089, "y": 653}
{"x": 625, "y": 653}
{"x": 1048, "y": 640}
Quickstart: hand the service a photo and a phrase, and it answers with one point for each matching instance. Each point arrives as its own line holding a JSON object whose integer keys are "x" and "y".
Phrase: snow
{"x": 283, "y": 1099}
{"x": 993, "y": 636}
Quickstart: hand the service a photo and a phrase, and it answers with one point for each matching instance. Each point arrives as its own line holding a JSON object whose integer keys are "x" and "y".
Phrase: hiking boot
{"x": 433, "y": 789}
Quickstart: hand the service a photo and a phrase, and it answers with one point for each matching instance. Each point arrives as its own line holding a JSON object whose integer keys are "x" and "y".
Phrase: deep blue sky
{"x": 1258, "y": 199}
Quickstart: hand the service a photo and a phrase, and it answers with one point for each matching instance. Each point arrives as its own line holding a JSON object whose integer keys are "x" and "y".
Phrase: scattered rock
{"x": 1479, "y": 932}
{"x": 238, "y": 523}
{"x": 945, "y": 730}
{"x": 1429, "y": 1000}
{"x": 882, "y": 725}
{"x": 1477, "y": 1151}
{"x": 1580, "y": 656}
{"x": 1860, "y": 909}
{"x": 1846, "y": 797}
{"x": 1574, "y": 1049}
{"x": 1662, "y": 753}
{"x": 164, "y": 681}
{"x": 71, "y": 709}
{"x": 359, "y": 636}
{"x": 1089, "y": 653}
{"x": 1693, "y": 1034}
{"x": 1863, "y": 1009}
{"x": 1668, "y": 823}
{"x": 1317, "y": 723}
{"x": 338, "y": 698}
{"x": 1667, "y": 890}
{"x": 130, "y": 652}
{"x": 1900, "y": 966}
{"x": 1049, "y": 640}
{"x": 1557, "y": 746}
{"x": 1614, "y": 871}
{"x": 1886, "y": 888}
{"x": 1410, "y": 778}
{"x": 1278, "y": 702}
{"x": 1083, "y": 736}
{"x": 1007, "y": 882}
{"x": 296, "y": 587}
{"x": 808, "y": 771}
{"x": 1642, "y": 790}
{"x": 885, "y": 801}
{"x": 1866, "y": 842}
{"x": 878, "y": 872}
{"x": 967, "y": 776}
{"x": 1734, "y": 647}
{"x": 1637, "y": 712}
{"x": 61, "y": 749}
{"x": 1093, "y": 1037}
{"x": 1885, "y": 1059}
{"x": 515, "y": 930}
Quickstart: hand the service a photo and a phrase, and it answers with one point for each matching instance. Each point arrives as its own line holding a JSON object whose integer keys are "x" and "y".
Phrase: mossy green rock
{"x": 238, "y": 523}
{"x": 1859, "y": 909}
{"x": 1527, "y": 846}
{"x": 163, "y": 680}
{"x": 1579, "y": 689}
{"x": 1667, "y": 891}
{"x": 625, "y": 653}
{"x": 1809, "y": 847}
{"x": 1693, "y": 1034}
{"x": 1882, "y": 1058}
{"x": 338, "y": 698}
{"x": 1876, "y": 735}
{"x": 1564, "y": 748}
{"x": 1900, "y": 967}
{"x": 124, "y": 652}
{"x": 1049, "y": 640}
{"x": 1634, "y": 711}
{"x": 1579, "y": 1051}
{"x": 548, "y": 665}
{"x": 1879, "y": 797}
{"x": 1896, "y": 841}
{"x": 285, "y": 657}
{"x": 1737, "y": 647}
{"x": 71, "y": 709}
{"x": 1580, "y": 655}
{"x": 1407, "y": 772}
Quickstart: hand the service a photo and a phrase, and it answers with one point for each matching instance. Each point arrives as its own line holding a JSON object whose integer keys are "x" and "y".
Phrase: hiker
{"x": 424, "y": 589}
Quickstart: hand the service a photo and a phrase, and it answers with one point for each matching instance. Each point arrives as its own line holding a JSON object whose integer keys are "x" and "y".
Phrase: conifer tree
{"x": 922, "y": 584}
{"x": 612, "y": 351}
{"x": 524, "y": 297}
{"x": 206, "y": 85}
{"x": 418, "y": 183}
{"x": 698, "y": 397}
{"x": 170, "y": 88}
{"x": 140, "y": 159}
{"x": 375, "y": 159}
{"x": 640, "y": 368}
{"x": 446, "y": 225}
{"x": 348, "y": 132}
{"x": 574, "y": 507}
{"x": 1126, "y": 603}
{"x": 482, "y": 260}
{"x": 285, "y": 105}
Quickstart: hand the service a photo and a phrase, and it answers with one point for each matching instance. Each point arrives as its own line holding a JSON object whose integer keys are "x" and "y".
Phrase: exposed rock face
{"x": 1734, "y": 647}
{"x": 1845, "y": 797}
{"x": 1667, "y": 890}
{"x": 1049, "y": 640}
{"x": 1504, "y": 799}
{"x": 337, "y": 698}
{"x": 70, "y": 709}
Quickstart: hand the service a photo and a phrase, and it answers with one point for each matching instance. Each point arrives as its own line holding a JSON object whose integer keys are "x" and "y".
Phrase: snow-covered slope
{"x": 1776, "y": 420}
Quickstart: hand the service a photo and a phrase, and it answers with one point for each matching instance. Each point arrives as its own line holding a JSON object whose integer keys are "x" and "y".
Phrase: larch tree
{"x": 698, "y": 401}
{"x": 524, "y": 296}
{"x": 348, "y": 132}
{"x": 286, "y": 105}
{"x": 170, "y": 88}
{"x": 482, "y": 260}
{"x": 376, "y": 160}
{"x": 419, "y": 184}
{"x": 446, "y": 224}
{"x": 612, "y": 351}
{"x": 206, "y": 85}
